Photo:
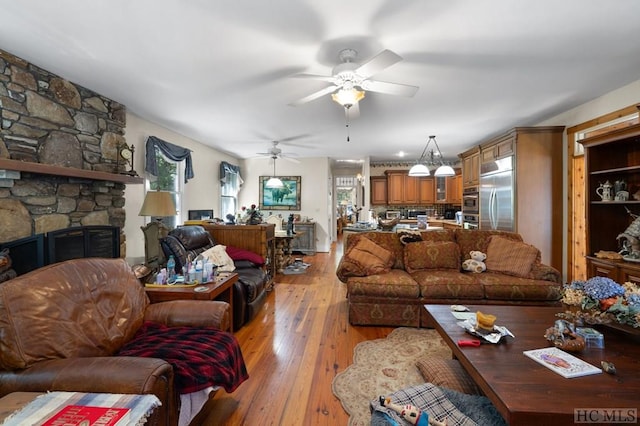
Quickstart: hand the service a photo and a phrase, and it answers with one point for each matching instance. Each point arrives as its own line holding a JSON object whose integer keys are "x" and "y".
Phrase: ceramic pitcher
{"x": 605, "y": 191}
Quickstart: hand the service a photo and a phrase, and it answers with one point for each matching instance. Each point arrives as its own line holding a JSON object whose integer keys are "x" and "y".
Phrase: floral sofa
{"x": 391, "y": 275}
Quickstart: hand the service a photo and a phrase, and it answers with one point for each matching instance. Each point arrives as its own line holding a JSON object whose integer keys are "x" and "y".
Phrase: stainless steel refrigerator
{"x": 496, "y": 195}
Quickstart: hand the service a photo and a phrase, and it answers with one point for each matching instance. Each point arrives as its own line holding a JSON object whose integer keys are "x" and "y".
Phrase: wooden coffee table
{"x": 220, "y": 289}
{"x": 527, "y": 393}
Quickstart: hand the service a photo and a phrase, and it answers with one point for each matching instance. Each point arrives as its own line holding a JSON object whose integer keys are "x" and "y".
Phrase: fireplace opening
{"x": 38, "y": 250}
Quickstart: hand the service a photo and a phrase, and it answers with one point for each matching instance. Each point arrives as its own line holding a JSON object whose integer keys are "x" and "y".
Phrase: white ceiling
{"x": 219, "y": 71}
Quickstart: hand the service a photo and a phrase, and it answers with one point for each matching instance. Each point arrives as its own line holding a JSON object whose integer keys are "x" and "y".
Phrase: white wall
{"x": 315, "y": 189}
{"x": 202, "y": 192}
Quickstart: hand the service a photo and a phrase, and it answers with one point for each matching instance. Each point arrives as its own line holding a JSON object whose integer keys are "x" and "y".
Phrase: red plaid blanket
{"x": 200, "y": 356}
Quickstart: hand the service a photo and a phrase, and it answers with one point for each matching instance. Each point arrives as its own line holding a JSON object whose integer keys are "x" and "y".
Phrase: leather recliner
{"x": 62, "y": 324}
{"x": 249, "y": 292}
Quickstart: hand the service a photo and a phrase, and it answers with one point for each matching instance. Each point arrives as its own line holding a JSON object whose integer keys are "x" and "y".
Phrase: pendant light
{"x": 421, "y": 168}
{"x": 274, "y": 182}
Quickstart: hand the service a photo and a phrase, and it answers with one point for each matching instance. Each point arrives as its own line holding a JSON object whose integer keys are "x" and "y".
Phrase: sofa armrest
{"x": 129, "y": 375}
{"x": 545, "y": 273}
{"x": 197, "y": 313}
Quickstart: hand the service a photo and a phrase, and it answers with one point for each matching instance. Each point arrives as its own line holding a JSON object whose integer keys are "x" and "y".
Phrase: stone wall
{"x": 47, "y": 119}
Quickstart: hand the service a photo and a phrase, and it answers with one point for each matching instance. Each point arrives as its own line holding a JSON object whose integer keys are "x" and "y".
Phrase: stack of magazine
{"x": 562, "y": 362}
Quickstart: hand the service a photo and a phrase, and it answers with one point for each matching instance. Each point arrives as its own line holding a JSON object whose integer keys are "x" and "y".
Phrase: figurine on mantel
{"x": 290, "y": 230}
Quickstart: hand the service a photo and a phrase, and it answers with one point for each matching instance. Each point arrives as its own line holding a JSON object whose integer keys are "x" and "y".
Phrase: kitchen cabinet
{"x": 402, "y": 189}
{"x": 441, "y": 189}
{"x": 426, "y": 190}
{"x": 454, "y": 190}
{"x": 305, "y": 240}
{"x": 499, "y": 148}
{"x": 378, "y": 190}
{"x": 612, "y": 156}
{"x": 470, "y": 167}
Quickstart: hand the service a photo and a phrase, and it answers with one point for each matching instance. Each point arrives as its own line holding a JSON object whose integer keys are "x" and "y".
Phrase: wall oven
{"x": 471, "y": 201}
{"x": 470, "y": 221}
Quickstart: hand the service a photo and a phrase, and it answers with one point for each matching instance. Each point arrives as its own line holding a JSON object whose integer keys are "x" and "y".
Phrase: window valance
{"x": 226, "y": 169}
{"x": 171, "y": 151}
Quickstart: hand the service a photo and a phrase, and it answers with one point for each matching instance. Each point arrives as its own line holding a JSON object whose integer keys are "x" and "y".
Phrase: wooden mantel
{"x": 48, "y": 169}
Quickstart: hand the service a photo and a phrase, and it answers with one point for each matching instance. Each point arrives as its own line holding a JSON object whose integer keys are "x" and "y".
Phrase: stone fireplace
{"x": 60, "y": 126}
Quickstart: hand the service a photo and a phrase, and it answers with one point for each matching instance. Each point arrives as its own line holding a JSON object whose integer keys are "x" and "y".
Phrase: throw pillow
{"x": 218, "y": 256}
{"x": 510, "y": 257}
{"x": 447, "y": 373}
{"x": 407, "y": 236}
{"x": 366, "y": 258}
{"x": 430, "y": 255}
{"x": 241, "y": 254}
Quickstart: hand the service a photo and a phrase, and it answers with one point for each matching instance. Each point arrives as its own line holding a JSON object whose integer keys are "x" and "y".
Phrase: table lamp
{"x": 157, "y": 204}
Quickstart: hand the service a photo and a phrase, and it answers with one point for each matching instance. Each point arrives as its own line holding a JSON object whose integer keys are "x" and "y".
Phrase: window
{"x": 231, "y": 181}
{"x": 169, "y": 179}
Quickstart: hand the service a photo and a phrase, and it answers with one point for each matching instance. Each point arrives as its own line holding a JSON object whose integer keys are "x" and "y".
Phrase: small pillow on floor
{"x": 447, "y": 373}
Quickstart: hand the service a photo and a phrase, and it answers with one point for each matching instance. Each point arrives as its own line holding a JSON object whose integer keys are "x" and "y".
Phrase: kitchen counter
{"x": 434, "y": 223}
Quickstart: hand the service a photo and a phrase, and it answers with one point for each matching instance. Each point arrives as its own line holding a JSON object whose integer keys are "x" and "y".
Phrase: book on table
{"x": 562, "y": 362}
{"x": 84, "y": 415}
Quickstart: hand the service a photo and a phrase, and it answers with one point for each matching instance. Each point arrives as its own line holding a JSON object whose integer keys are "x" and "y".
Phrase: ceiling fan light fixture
{"x": 419, "y": 170}
{"x": 348, "y": 97}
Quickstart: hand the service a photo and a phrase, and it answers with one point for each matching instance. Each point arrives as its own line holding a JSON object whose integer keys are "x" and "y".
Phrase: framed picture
{"x": 286, "y": 198}
{"x": 200, "y": 214}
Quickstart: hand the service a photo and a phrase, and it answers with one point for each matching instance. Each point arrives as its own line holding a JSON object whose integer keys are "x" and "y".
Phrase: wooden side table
{"x": 220, "y": 289}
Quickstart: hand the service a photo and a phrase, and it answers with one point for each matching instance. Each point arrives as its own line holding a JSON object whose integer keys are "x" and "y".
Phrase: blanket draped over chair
{"x": 211, "y": 358}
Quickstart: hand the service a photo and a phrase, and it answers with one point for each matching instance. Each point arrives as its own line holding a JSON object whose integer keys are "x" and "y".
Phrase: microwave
{"x": 392, "y": 214}
{"x": 471, "y": 201}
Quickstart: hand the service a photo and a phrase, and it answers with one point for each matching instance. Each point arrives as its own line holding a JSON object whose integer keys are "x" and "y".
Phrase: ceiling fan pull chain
{"x": 346, "y": 116}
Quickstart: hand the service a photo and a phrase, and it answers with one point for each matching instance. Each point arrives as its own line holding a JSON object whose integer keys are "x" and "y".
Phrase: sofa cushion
{"x": 366, "y": 258}
{"x": 498, "y": 286}
{"x": 510, "y": 257}
{"x": 429, "y": 255}
{"x": 237, "y": 253}
{"x": 218, "y": 256}
{"x": 388, "y": 240}
{"x": 448, "y": 284}
{"x": 396, "y": 283}
{"x": 447, "y": 373}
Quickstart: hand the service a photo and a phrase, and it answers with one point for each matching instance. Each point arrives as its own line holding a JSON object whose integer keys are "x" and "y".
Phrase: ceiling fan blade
{"x": 314, "y": 96}
{"x": 328, "y": 78}
{"x": 390, "y": 88}
{"x": 382, "y": 60}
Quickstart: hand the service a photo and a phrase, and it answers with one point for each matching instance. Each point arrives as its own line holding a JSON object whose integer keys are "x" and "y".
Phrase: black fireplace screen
{"x": 63, "y": 244}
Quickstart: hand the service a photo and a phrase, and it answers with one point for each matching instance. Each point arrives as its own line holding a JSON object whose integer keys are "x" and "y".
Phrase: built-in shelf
{"x": 48, "y": 169}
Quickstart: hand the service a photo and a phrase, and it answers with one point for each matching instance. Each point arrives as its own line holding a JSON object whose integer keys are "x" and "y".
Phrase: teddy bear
{"x": 476, "y": 263}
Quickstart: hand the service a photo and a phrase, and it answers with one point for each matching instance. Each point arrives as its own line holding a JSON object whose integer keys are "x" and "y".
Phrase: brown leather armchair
{"x": 62, "y": 324}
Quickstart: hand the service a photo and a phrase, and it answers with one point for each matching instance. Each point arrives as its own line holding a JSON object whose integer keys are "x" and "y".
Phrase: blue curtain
{"x": 226, "y": 170}
{"x": 171, "y": 151}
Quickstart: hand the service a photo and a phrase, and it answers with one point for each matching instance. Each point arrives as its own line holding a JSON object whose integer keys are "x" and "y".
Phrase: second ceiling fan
{"x": 349, "y": 76}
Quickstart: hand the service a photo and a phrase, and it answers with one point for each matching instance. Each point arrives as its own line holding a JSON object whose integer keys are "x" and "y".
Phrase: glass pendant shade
{"x": 444, "y": 170}
{"x": 347, "y": 97}
{"x": 274, "y": 183}
{"x": 419, "y": 170}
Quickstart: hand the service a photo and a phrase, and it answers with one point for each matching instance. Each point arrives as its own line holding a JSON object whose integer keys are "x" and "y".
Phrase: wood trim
{"x": 48, "y": 169}
{"x": 632, "y": 109}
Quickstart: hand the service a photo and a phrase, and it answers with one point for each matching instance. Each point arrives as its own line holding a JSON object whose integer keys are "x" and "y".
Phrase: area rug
{"x": 383, "y": 366}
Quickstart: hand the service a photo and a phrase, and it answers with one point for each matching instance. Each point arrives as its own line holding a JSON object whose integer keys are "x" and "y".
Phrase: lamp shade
{"x": 158, "y": 204}
{"x": 274, "y": 183}
{"x": 348, "y": 97}
{"x": 444, "y": 170}
{"x": 419, "y": 170}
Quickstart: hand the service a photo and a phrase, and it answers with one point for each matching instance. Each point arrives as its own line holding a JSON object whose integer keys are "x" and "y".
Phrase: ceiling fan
{"x": 349, "y": 76}
{"x": 275, "y": 153}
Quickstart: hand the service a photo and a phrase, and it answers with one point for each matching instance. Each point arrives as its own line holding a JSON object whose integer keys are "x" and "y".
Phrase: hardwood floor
{"x": 293, "y": 349}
